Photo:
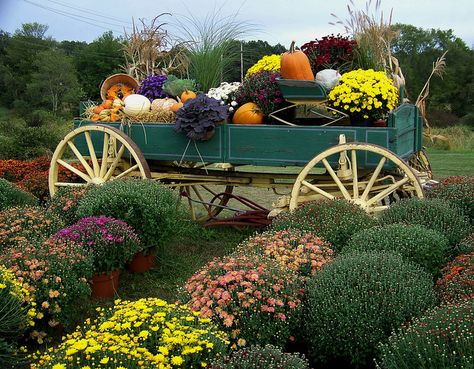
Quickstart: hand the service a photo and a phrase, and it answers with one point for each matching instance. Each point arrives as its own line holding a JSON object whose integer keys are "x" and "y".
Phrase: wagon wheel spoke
{"x": 92, "y": 155}
{"x": 126, "y": 172}
{"x": 376, "y": 173}
{"x": 83, "y": 161}
{"x": 355, "y": 179}
{"x": 105, "y": 155}
{"x": 114, "y": 164}
{"x": 317, "y": 190}
{"x": 76, "y": 171}
{"x": 390, "y": 189}
{"x": 336, "y": 179}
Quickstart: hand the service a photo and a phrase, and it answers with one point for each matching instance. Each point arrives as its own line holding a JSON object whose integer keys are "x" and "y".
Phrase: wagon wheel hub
{"x": 98, "y": 180}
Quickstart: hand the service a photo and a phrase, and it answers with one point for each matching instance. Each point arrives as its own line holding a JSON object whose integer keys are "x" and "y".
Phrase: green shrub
{"x": 146, "y": 205}
{"x": 257, "y": 357}
{"x": 11, "y": 195}
{"x": 457, "y": 189}
{"x": 29, "y": 223}
{"x": 357, "y": 300}
{"x": 333, "y": 220}
{"x": 437, "y": 214}
{"x": 457, "y": 281}
{"x": 466, "y": 245}
{"x": 64, "y": 203}
{"x": 424, "y": 246}
{"x": 441, "y": 339}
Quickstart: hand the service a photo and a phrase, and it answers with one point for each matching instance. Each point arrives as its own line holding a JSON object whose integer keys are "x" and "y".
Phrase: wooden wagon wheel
{"x": 372, "y": 189}
{"x": 116, "y": 156}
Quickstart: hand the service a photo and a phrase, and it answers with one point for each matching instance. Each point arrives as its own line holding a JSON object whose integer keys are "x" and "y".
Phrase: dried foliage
{"x": 150, "y": 50}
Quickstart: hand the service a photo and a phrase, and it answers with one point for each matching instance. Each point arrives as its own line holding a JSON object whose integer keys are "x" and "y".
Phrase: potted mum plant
{"x": 112, "y": 243}
{"x": 365, "y": 95}
{"x": 198, "y": 118}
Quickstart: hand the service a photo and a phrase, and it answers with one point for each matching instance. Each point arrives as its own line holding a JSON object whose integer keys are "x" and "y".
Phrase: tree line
{"x": 38, "y": 72}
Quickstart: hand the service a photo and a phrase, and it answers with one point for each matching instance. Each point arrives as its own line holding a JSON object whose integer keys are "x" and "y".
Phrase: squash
{"x": 107, "y": 104}
{"x": 136, "y": 104}
{"x": 295, "y": 65}
{"x": 95, "y": 117}
{"x": 187, "y": 94}
{"x": 176, "y": 106}
{"x": 248, "y": 113}
{"x": 97, "y": 109}
{"x": 162, "y": 104}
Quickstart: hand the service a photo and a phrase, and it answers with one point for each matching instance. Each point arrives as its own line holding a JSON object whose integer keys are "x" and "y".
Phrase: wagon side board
{"x": 272, "y": 145}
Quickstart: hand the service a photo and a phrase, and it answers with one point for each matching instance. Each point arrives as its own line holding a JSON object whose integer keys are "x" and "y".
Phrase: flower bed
{"x": 148, "y": 333}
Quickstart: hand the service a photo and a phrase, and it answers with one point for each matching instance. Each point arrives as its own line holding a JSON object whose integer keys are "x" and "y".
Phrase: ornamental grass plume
{"x": 253, "y": 297}
{"x": 111, "y": 243}
{"x": 457, "y": 281}
{"x": 146, "y": 334}
{"x": 56, "y": 273}
{"x": 364, "y": 94}
{"x": 303, "y": 252}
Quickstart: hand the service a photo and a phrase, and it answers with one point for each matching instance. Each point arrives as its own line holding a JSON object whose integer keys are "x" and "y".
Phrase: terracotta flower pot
{"x": 105, "y": 285}
{"x": 141, "y": 263}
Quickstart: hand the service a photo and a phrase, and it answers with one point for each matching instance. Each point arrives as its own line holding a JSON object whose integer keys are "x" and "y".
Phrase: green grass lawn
{"x": 451, "y": 163}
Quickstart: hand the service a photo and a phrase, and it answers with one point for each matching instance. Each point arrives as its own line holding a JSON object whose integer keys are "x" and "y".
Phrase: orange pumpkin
{"x": 294, "y": 64}
{"x": 95, "y": 117}
{"x": 248, "y": 113}
{"x": 176, "y": 106}
{"x": 186, "y": 95}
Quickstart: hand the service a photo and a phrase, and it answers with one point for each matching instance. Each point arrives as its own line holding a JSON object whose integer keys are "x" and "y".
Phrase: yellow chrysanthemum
{"x": 268, "y": 62}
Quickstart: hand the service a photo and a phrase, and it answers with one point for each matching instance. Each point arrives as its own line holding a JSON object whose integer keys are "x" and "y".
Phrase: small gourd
{"x": 248, "y": 113}
{"x": 187, "y": 94}
{"x": 294, "y": 64}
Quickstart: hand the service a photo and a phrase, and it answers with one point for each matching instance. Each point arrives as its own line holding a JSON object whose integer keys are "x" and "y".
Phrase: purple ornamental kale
{"x": 152, "y": 87}
{"x": 199, "y": 116}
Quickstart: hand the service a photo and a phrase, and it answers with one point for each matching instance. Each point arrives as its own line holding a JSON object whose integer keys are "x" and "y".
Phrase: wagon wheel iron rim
{"x": 373, "y": 191}
{"x": 120, "y": 158}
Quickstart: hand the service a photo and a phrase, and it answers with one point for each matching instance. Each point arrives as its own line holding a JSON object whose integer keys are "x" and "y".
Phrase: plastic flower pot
{"x": 104, "y": 285}
{"x": 141, "y": 263}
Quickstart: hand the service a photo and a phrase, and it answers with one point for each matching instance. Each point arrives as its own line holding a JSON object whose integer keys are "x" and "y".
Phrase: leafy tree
{"x": 54, "y": 83}
{"x": 98, "y": 60}
{"x": 417, "y": 49}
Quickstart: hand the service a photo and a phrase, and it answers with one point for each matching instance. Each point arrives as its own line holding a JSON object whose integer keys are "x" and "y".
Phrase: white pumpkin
{"x": 162, "y": 104}
{"x": 136, "y": 104}
{"x": 329, "y": 78}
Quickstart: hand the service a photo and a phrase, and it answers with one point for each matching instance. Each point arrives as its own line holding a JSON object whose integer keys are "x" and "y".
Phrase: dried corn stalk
{"x": 151, "y": 50}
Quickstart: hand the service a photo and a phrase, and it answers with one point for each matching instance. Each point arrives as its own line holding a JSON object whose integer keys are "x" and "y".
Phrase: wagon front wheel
{"x": 383, "y": 179}
{"x": 95, "y": 154}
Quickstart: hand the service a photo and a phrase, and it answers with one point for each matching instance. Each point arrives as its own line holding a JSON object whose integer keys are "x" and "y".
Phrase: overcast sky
{"x": 277, "y": 21}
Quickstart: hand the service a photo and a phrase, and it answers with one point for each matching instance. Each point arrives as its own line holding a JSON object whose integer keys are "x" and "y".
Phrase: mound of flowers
{"x": 26, "y": 223}
{"x": 302, "y": 252}
{"x": 111, "y": 242}
{"x": 55, "y": 272}
{"x": 254, "y": 297}
{"x": 457, "y": 281}
{"x": 148, "y": 333}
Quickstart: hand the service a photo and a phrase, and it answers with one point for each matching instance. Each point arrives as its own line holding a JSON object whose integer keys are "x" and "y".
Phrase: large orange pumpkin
{"x": 248, "y": 113}
{"x": 294, "y": 64}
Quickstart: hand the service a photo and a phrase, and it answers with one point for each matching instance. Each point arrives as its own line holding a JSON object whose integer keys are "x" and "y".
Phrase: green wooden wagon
{"x": 369, "y": 166}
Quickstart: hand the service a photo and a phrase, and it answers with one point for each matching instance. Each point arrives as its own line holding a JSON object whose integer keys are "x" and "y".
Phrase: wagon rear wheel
{"x": 372, "y": 189}
{"x": 95, "y": 154}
